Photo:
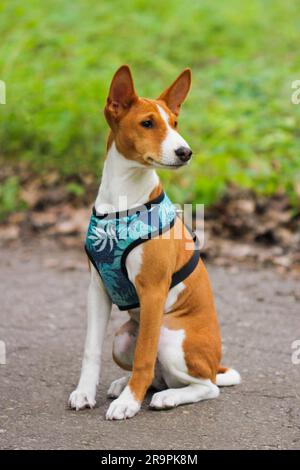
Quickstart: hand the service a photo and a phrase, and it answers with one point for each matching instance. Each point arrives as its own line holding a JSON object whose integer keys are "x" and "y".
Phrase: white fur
{"x": 126, "y": 406}
{"x": 172, "y": 141}
{"x": 173, "y": 296}
{"x": 134, "y": 262}
{"x": 171, "y": 357}
{"x": 192, "y": 393}
{"x": 230, "y": 377}
{"x": 125, "y": 183}
{"x": 99, "y": 308}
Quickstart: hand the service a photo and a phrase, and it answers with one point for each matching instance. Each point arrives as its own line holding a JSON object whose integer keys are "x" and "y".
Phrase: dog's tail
{"x": 227, "y": 377}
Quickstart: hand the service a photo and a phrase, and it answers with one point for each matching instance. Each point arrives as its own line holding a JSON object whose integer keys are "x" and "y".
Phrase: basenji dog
{"x": 172, "y": 340}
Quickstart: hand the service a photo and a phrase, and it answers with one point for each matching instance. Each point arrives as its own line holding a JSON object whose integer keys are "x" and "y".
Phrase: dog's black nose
{"x": 184, "y": 153}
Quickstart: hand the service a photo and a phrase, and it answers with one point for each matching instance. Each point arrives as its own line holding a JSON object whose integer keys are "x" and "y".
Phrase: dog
{"x": 172, "y": 340}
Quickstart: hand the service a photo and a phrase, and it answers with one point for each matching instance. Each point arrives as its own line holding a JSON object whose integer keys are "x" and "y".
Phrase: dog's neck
{"x": 124, "y": 183}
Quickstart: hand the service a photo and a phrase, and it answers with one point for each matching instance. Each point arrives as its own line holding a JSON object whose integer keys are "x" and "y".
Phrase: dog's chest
{"x": 133, "y": 265}
{"x": 134, "y": 262}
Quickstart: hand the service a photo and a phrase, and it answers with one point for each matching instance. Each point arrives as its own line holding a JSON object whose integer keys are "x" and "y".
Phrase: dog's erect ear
{"x": 121, "y": 93}
{"x": 175, "y": 95}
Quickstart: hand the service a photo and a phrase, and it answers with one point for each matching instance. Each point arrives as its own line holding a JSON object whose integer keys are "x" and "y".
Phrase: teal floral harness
{"x": 111, "y": 237}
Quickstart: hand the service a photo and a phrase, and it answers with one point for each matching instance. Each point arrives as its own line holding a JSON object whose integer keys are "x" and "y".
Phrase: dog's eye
{"x": 175, "y": 124}
{"x": 148, "y": 124}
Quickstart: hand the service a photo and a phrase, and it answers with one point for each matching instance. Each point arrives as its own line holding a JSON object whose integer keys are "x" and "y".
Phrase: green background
{"x": 57, "y": 59}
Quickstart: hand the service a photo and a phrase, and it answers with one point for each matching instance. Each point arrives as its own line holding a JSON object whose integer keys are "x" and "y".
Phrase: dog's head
{"x": 145, "y": 130}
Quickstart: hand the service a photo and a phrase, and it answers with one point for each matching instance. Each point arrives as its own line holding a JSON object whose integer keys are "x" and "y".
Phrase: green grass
{"x": 57, "y": 59}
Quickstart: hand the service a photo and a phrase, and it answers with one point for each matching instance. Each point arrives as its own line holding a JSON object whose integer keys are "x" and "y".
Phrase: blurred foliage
{"x": 57, "y": 59}
{"x": 74, "y": 188}
{"x": 10, "y": 197}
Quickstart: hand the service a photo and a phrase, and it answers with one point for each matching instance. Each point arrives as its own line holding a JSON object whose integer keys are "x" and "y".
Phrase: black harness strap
{"x": 189, "y": 267}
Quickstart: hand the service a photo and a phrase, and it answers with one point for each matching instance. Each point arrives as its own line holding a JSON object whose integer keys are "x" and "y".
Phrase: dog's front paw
{"x": 80, "y": 399}
{"x": 126, "y": 406}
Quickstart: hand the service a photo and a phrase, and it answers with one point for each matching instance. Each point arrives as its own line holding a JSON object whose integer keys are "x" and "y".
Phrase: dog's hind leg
{"x": 124, "y": 344}
{"x": 192, "y": 393}
{"x": 123, "y": 354}
{"x": 176, "y": 364}
{"x": 117, "y": 387}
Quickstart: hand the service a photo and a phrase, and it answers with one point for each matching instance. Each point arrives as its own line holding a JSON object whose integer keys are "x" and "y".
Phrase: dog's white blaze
{"x": 172, "y": 141}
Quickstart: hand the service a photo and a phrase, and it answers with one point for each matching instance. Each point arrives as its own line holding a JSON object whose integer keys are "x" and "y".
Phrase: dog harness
{"x": 111, "y": 237}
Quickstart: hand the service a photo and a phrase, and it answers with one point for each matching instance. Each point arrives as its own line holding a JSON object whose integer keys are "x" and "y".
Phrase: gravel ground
{"x": 43, "y": 291}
